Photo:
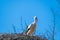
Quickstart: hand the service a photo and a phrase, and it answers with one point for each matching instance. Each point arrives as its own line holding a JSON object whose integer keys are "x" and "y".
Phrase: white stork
{"x": 31, "y": 28}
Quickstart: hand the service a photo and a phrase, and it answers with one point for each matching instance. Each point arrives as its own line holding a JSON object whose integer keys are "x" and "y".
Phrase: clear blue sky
{"x": 12, "y": 10}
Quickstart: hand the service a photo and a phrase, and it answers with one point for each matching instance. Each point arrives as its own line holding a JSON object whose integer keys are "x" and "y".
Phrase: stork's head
{"x": 35, "y": 19}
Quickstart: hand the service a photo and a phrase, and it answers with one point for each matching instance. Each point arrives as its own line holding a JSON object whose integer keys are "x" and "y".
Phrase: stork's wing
{"x": 29, "y": 27}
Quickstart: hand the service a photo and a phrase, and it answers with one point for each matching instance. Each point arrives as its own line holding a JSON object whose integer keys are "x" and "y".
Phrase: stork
{"x": 31, "y": 28}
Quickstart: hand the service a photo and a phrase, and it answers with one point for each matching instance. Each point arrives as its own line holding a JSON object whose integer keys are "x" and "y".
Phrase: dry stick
{"x": 53, "y": 28}
{"x": 48, "y": 33}
{"x": 53, "y": 32}
{"x": 22, "y": 26}
{"x": 21, "y": 23}
{"x": 14, "y": 28}
{"x": 58, "y": 1}
{"x": 48, "y": 37}
{"x": 26, "y": 26}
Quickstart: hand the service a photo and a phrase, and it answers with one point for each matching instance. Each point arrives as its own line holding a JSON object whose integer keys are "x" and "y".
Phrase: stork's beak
{"x": 37, "y": 19}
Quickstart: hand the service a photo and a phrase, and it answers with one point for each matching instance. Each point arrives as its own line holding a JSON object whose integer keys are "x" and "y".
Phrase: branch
{"x": 14, "y": 28}
{"x": 21, "y": 23}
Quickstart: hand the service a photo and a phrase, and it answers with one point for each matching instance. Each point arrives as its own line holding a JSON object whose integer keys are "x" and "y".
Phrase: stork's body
{"x": 31, "y": 28}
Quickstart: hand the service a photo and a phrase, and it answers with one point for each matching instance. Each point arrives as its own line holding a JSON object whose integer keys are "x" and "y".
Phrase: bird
{"x": 32, "y": 27}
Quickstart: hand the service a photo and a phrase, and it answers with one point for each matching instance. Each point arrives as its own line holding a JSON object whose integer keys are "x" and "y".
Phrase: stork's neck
{"x": 35, "y": 21}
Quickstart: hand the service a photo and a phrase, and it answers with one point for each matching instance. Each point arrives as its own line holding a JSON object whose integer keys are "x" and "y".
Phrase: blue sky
{"x": 12, "y": 10}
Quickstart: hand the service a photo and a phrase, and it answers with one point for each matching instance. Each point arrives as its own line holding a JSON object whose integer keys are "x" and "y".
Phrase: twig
{"x": 21, "y": 23}
{"x": 14, "y": 28}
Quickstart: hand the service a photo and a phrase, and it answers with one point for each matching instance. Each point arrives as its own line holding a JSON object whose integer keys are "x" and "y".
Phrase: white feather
{"x": 32, "y": 27}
